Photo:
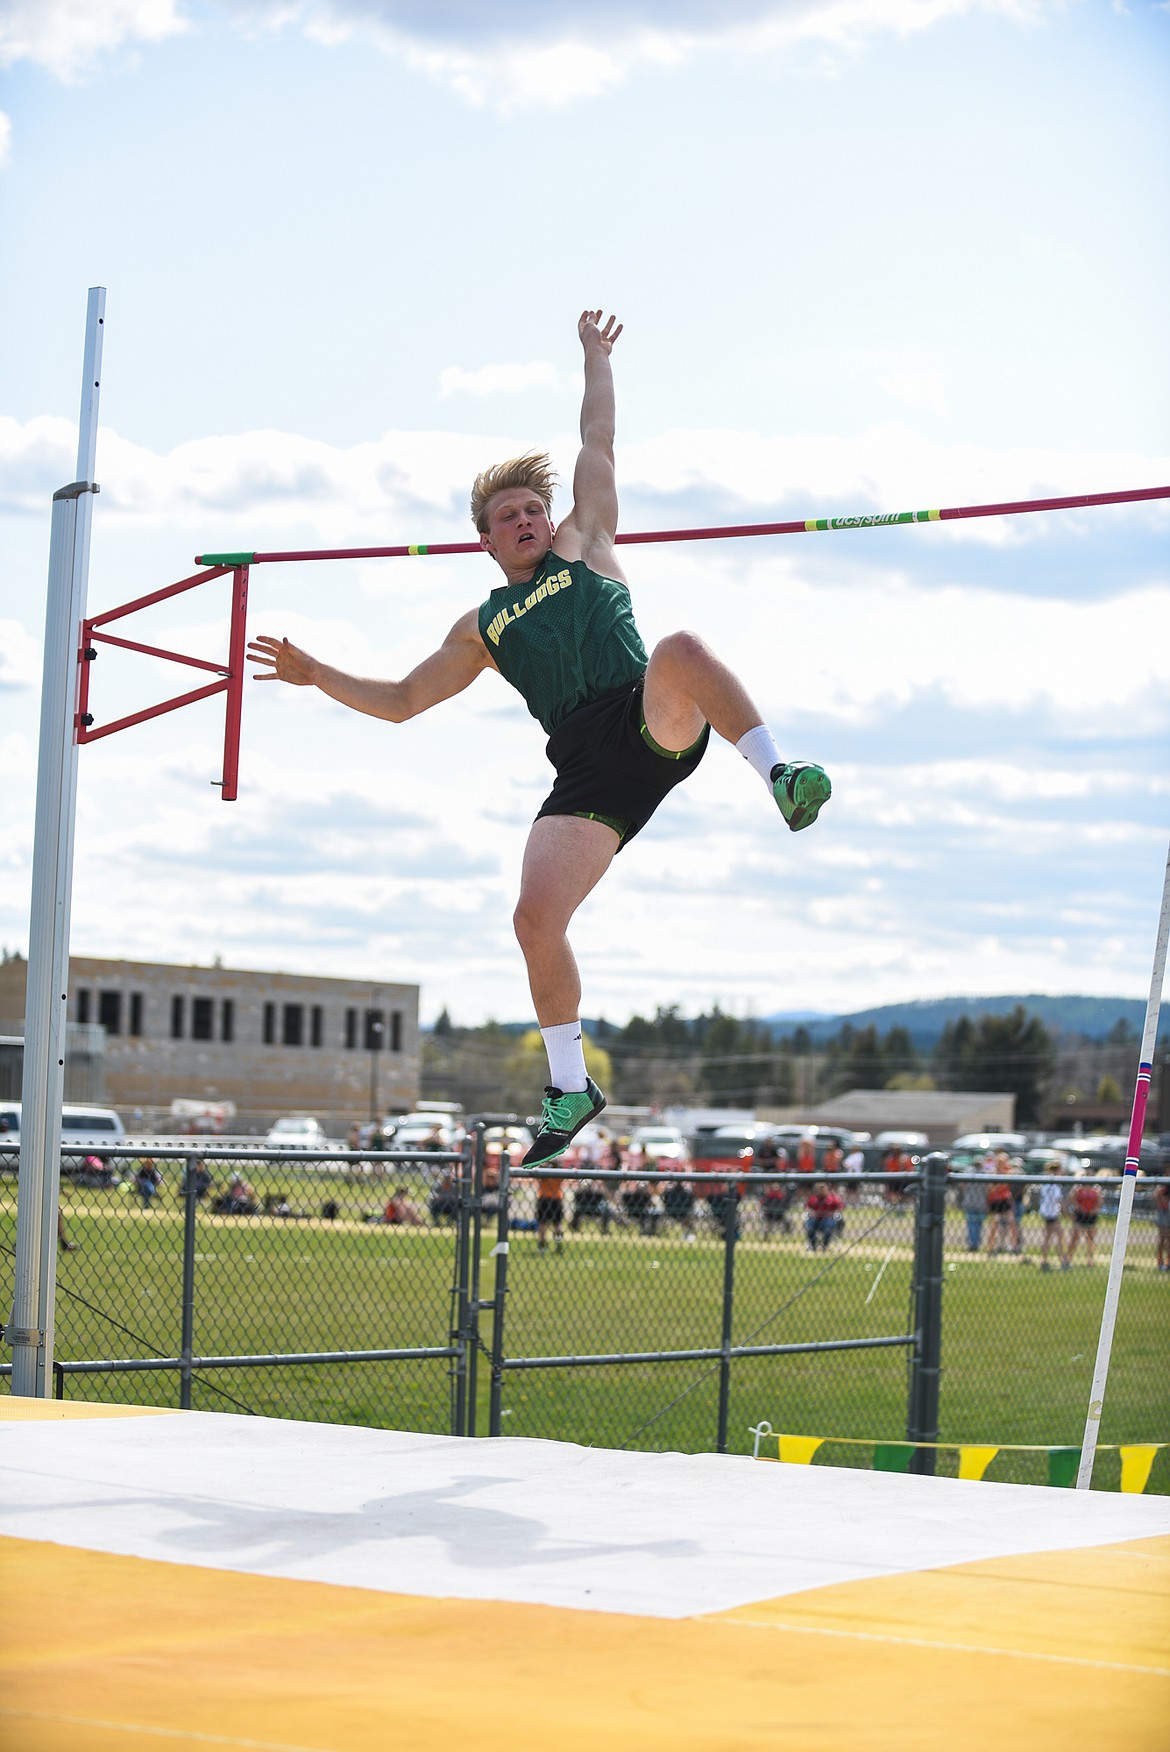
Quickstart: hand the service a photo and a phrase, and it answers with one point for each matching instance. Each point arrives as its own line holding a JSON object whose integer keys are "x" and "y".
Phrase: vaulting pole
{"x": 1125, "y": 1203}
{"x": 30, "y": 1329}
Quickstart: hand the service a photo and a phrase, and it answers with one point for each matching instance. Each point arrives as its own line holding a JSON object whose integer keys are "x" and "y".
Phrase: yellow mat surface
{"x": 1065, "y": 1650}
{"x": 14, "y": 1408}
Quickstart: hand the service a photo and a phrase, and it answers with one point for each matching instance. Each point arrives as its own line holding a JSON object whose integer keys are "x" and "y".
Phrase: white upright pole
{"x": 30, "y": 1330}
{"x": 1125, "y": 1203}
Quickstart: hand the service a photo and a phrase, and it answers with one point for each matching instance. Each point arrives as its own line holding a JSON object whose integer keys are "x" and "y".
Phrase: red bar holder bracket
{"x": 230, "y": 674}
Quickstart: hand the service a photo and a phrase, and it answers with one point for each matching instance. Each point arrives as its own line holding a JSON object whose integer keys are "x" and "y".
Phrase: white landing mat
{"x": 662, "y": 1535}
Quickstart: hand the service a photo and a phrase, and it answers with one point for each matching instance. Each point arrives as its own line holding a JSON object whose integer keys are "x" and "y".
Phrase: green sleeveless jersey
{"x": 563, "y": 638}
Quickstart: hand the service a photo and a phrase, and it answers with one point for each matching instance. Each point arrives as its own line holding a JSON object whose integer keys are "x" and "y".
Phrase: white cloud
{"x": 19, "y": 657}
{"x": 529, "y": 53}
{"x": 508, "y": 56}
{"x": 498, "y": 379}
{"x": 412, "y": 486}
{"x": 5, "y": 138}
{"x": 65, "y": 35}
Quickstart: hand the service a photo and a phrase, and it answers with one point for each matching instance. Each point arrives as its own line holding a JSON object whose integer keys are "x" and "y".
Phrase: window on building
{"x": 227, "y": 1019}
{"x": 396, "y": 1031}
{"x": 292, "y": 1032}
{"x": 110, "y": 1011}
{"x": 316, "y": 1025}
{"x": 83, "y": 999}
{"x": 135, "y": 1014}
{"x": 375, "y": 1030}
{"x": 350, "y": 1030}
{"x": 270, "y": 1024}
{"x": 202, "y": 1019}
{"x": 177, "y": 1007}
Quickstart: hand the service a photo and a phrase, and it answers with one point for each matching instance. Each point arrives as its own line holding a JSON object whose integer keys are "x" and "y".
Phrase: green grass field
{"x": 1018, "y": 1345}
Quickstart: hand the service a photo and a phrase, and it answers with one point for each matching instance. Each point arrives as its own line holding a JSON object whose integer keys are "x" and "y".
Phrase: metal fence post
{"x": 187, "y": 1339}
{"x": 500, "y": 1296}
{"x": 730, "y": 1232}
{"x": 475, "y": 1225}
{"x": 926, "y": 1365}
{"x": 462, "y": 1298}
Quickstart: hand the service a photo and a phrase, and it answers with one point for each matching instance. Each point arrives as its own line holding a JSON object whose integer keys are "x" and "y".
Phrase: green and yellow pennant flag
{"x": 1137, "y": 1458}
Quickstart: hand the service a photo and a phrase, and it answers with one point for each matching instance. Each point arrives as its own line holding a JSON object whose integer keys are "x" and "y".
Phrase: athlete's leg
{"x": 565, "y": 859}
{"x": 687, "y": 686}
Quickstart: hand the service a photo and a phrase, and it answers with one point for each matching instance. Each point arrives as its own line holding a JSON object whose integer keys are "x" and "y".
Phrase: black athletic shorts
{"x": 609, "y": 768}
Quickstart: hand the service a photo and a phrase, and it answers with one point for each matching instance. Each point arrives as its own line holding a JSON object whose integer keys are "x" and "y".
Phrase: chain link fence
{"x": 669, "y": 1314}
{"x": 1022, "y": 1312}
{"x": 261, "y": 1281}
{"x": 425, "y": 1293}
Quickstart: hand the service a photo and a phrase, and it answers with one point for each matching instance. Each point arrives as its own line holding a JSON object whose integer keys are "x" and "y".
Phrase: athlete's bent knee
{"x": 680, "y": 649}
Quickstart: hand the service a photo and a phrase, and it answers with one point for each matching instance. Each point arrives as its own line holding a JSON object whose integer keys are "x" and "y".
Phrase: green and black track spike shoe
{"x": 801, "y": 791}
{"x": 561, "y": 1118}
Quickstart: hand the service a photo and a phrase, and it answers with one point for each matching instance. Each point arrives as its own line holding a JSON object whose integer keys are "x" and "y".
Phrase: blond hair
{"x": 533, "y": 471}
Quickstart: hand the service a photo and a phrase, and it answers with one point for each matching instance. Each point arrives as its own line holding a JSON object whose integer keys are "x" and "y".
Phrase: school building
{"x": 266, "y": 1043}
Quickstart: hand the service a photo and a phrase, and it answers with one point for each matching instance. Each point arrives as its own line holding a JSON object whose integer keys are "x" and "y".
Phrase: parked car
{"x": 1071, "y": 1161}
{"x": 724, "y": 1152}
{"x": 83, "y": 1132}
{"x": 1014, "y": 1142}
{"x": 661, "y": 1146}
{"x": 415, "y": 1130}
{"x": 298, "y": 1132}
{"x": 912, "y": 1141}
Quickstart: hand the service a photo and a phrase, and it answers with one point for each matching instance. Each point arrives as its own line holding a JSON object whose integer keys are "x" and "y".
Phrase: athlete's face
{"x": 519, "y": 532}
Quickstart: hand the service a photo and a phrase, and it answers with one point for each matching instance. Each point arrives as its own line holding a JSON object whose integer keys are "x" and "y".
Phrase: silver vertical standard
{"x": 30, "y": 1331}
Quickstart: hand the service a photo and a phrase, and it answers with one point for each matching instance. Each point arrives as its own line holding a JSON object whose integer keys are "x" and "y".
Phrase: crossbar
{"x": 796, "y": 526}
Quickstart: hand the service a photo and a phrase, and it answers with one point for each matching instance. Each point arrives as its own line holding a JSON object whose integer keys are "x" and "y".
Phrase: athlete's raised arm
{"x": 447, "y": 671}
{"x": 587, "y": 532}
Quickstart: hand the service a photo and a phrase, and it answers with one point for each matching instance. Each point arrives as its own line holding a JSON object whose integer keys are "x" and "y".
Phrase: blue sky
{"x": 871, "y": 256}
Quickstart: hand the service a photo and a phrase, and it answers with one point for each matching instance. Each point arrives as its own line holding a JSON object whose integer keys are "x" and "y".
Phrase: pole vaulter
{"x": 799, "y": 788}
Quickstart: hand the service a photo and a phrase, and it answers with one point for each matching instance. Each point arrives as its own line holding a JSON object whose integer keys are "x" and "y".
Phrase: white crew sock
{"x": 566, "y": 1057}
{"x": 758, "y": 748}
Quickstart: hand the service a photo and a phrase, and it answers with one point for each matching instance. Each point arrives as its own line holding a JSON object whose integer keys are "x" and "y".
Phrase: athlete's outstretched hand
{"x": 281, "y": 661}
{"x": 591, "y": 332}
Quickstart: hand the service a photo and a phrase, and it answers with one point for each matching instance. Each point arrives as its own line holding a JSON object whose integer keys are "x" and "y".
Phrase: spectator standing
{"x": 1051, "y": 1206}
{"x": 1162, "y": 1219}
{"x": 825, "y": 1216}
{"x": 1086, "y": 1208}
{"x": 854, "y": 1164}
{"x": 834, "y": 1157}
{"x": 550, "y": 1213}
{"x": 1018, "y": 1184}
{"x": 973, "y": 1204}
{"x": 999, "y": 1209}
{"x": 806, "y": 1156}
{"x": 891, "y": 1163}
{"x": 1005, "y": 1170}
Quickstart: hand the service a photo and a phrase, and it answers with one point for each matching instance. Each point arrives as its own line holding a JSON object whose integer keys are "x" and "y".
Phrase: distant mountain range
{"x": 925, "y": 1018}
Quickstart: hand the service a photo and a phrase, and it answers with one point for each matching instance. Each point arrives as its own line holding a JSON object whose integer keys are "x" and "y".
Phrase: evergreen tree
{"x": 1013, "y": 1054}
